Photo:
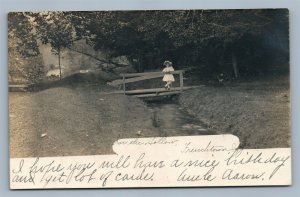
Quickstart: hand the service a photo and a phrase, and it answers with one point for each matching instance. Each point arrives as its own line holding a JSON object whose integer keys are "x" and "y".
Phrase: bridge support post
{"x": 124, "y": 87}
{"x": 181, "y": 81}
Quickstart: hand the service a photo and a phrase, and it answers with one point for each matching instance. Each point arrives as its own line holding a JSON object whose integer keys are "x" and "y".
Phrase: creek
{"x": 172, "y": 120}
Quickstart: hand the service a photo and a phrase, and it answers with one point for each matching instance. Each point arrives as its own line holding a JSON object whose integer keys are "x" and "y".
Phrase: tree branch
{"x": 96, "y": 58}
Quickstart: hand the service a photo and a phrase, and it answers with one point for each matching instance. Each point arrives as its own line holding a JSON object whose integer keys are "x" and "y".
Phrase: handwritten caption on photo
{"x": 158, "y": 162}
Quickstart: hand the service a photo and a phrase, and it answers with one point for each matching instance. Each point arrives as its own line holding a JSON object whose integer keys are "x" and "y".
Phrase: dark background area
{"x": 218, "y": 45}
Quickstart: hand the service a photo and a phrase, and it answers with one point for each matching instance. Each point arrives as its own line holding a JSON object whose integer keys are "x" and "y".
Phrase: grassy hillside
{"x": 257, "y": 112}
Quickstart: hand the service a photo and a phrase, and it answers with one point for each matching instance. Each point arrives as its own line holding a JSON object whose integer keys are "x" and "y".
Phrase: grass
{"x": 257, "y": 112}
{"x": 78, "y": 118}
{"x": 76, "y": 121}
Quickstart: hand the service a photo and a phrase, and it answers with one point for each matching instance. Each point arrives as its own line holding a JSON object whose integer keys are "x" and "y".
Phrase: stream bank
{"x": 86, "y": 120}
{"x": 257, "y": 112}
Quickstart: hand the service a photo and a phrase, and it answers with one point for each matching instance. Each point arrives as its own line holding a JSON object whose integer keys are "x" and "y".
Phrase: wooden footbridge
{"x": 19, "y": 87}
{"x": 152, "y": 92}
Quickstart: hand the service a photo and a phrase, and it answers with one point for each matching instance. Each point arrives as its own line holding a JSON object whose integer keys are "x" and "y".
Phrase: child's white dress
{"x": 168, "y": 77}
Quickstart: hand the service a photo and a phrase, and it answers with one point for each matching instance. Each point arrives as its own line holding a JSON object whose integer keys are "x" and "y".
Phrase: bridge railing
{"x": 134, "y": 77}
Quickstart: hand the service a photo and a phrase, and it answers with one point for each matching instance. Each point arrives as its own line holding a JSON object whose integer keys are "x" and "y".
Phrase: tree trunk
{"x": 59, "y": 64}
{"x": 235, "y": 65}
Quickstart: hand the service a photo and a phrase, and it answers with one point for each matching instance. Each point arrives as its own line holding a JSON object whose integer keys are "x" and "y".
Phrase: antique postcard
{"x": 149, "y": 98}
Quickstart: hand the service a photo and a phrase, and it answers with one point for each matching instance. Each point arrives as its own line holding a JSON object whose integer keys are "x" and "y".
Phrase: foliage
{"x": 208, "y": 40}
{"x": 25, "y": 61}
{"x": 202, "y": 38}
{"x": 54, "y": 28}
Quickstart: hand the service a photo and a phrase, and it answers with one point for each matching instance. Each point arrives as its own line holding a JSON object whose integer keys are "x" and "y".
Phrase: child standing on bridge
{"x": 168, "y": 77}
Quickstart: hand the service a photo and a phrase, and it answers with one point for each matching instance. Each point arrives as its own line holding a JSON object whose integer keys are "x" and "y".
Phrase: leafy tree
{"x": 188, "y": 37}
{"x": 54, "y": 28}
{"x": 234, "y": 42}
{"x": 25, "y": 61}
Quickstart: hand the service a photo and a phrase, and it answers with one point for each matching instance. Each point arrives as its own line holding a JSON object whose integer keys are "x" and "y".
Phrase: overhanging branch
{"x": 95, "y": 57}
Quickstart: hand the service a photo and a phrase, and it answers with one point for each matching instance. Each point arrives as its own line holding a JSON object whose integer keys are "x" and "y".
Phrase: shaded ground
{"x": 84, "y": 119}
{"x": 257, "y": 112}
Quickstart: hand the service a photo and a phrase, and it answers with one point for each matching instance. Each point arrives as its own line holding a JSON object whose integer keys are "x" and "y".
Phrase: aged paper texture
{"x": 158, "y": 162}
{"x": 149, "y": 98}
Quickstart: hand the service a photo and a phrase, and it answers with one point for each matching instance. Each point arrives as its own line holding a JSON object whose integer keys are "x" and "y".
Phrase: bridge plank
{"x": 154, "y": 90}
{"x": 18, "y": 86}
{"x": 135, "y": 79}
{"x": 140, "y": 77}
{"x": 148, "y": 73}
{"x": 157, "y": 95}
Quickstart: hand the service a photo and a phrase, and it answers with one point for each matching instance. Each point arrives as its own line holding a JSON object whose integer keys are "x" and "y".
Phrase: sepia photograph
{"x": 79, "y": 81}
{"x": 149, "y": 98}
